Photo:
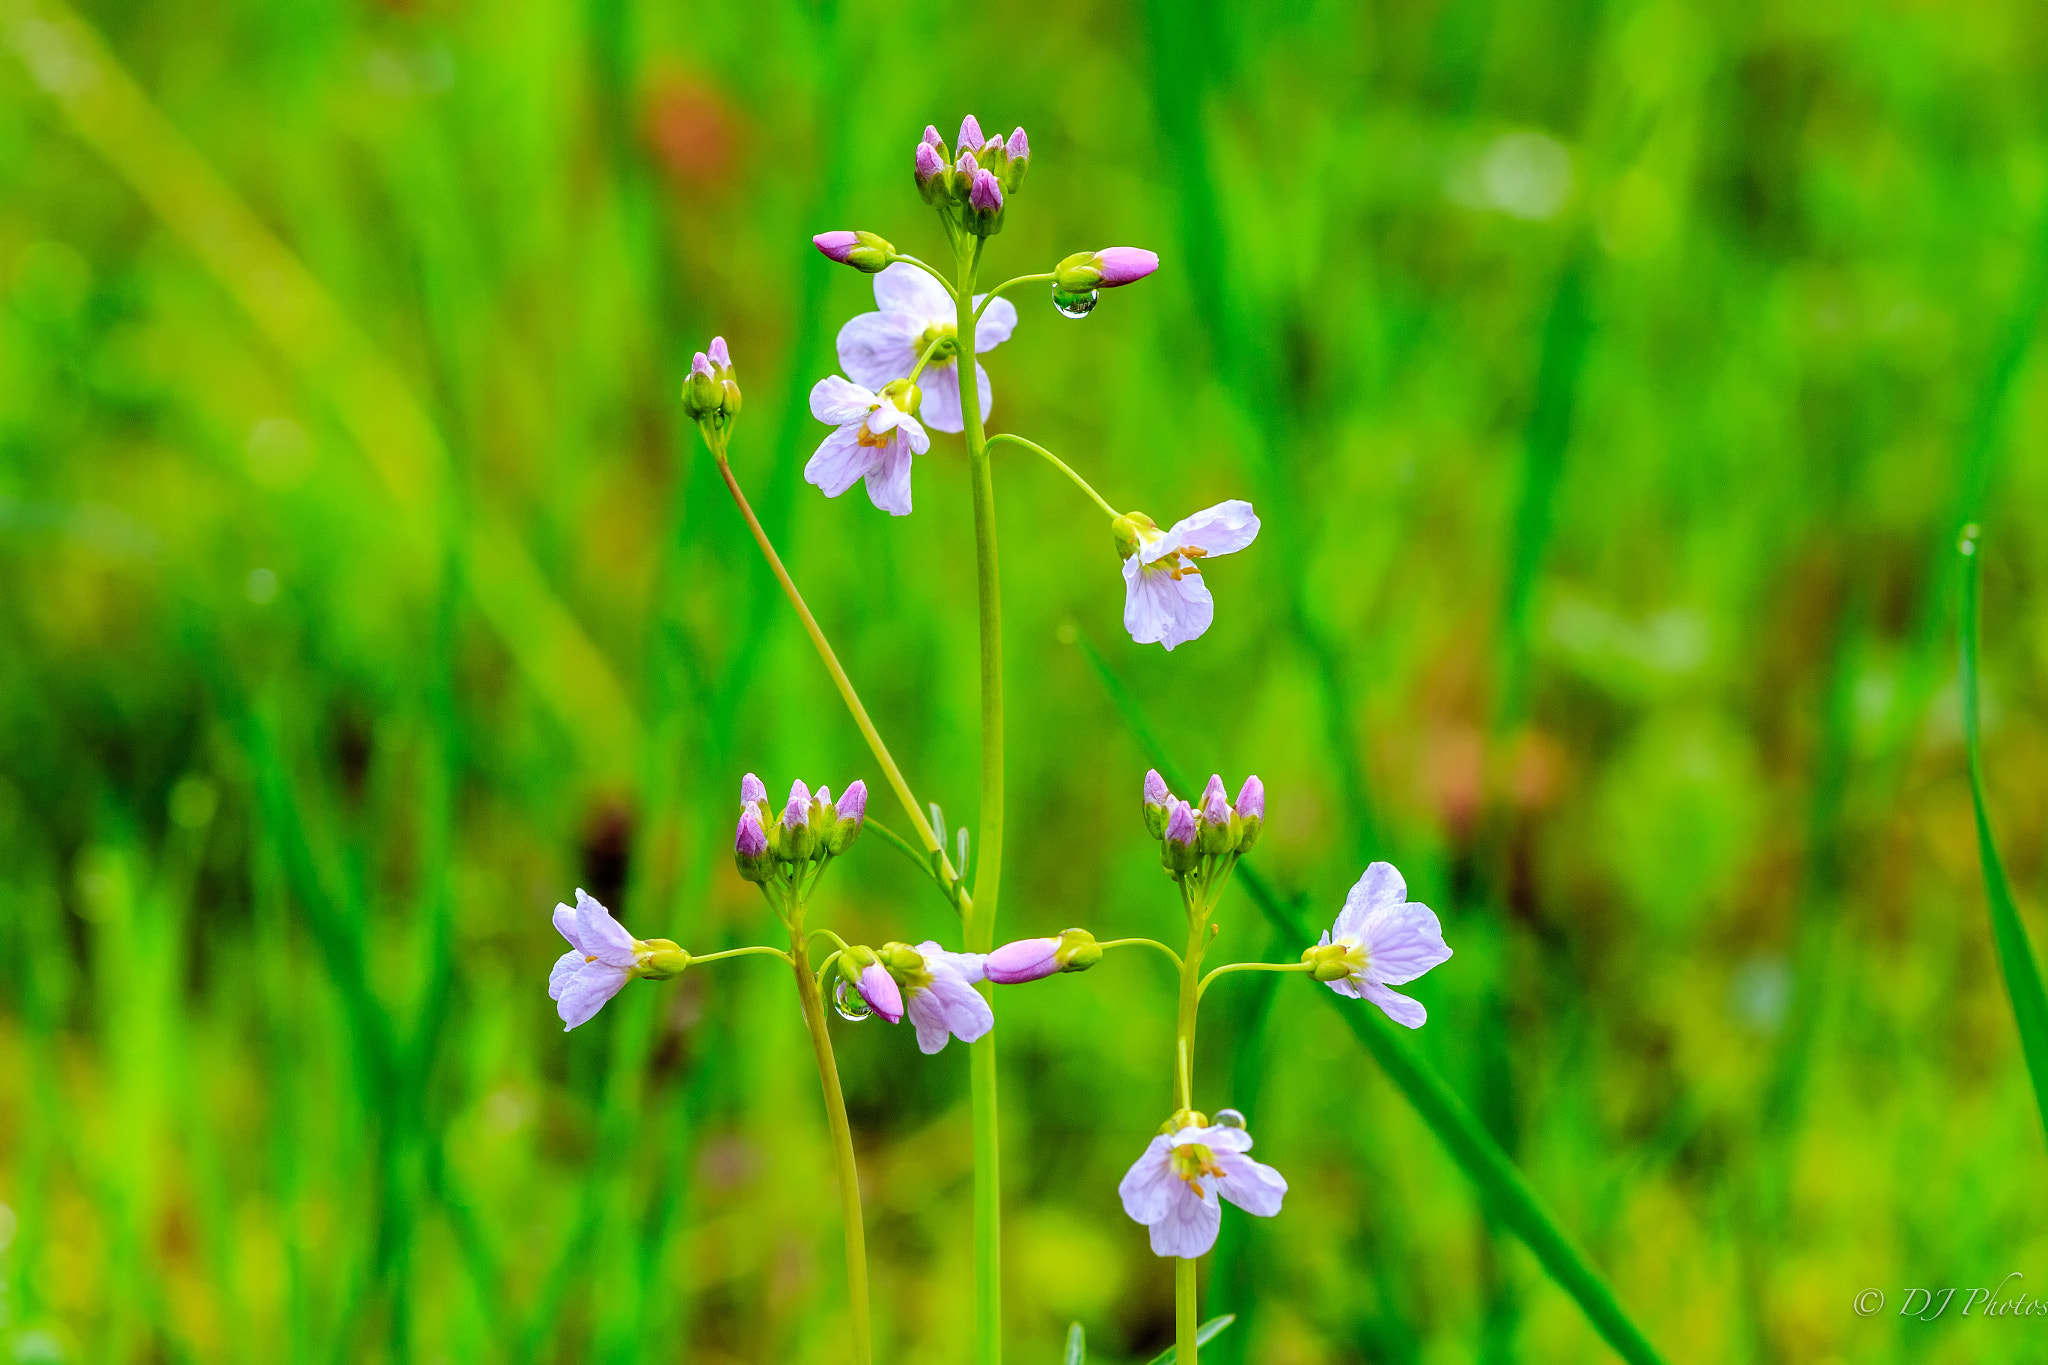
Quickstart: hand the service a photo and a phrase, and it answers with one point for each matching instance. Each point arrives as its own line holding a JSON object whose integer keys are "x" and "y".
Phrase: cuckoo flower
{"x": 1165, "y": 600}
{"x": 913, "y": 310}
{"x": 878, "y": 988}
{"x": 940, "y": 998}
{"x": 1033, "y": 959}
{"x": 876, "y": 437}
{"x": 1381, "y": 939}
{"x": 1172, "y": 1189}
{"x": 602, "y": 958}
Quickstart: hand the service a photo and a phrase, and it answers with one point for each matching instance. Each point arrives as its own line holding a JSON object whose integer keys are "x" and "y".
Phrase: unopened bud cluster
{"x": 711, "y": 395}
{"x": 969, "y": 181}
{"x": 782, "y": 846}
{"x": 1201, "y": 843}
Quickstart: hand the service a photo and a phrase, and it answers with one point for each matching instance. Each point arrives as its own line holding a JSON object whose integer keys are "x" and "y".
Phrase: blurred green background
{"x": 1611, "y": 379}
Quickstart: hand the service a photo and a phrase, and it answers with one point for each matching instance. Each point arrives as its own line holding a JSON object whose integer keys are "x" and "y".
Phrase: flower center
{"x": 1192, "y": 1161}
{"x": 867, "y": 438}
{"x": 1179, "y": 563}
{"x": 947, "y": 334}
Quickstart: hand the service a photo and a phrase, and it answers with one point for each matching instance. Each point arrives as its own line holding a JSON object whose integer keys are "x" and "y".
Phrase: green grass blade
{"x": 1506, "y": 1194}
{"x": 2015, "y": 953}
{"x": 1202, "y": 1336}
{"x": 1077, "y": 1346}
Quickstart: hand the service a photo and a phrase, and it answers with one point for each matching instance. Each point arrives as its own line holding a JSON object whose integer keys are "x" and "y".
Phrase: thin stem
{"x": 982, "y": 307}
{"x": 1063, "y": 468}
{"x": 1184, "y": 1326}
{"x": 1229, "y": 967}
{"x": 809, "y": 994}
{"x": 980, "y": 915}
{"x": 1197, "y": 906}
{"x": 740, "y": 952}
{"x": 826, "y": 966}
{"x": 823, "y": 933}
{"x": 845, "y": 685}
{"x": 944, "y": 283}
{"x": 926, "y": 358}
{"x": 1142, "y": 943}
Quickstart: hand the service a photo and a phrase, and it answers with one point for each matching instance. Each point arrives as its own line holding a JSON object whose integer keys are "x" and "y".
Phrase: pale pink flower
{"x": 947, "y": 1005}
{"x": 599, "y": 961}
{"x": 874, "y": 441}
{"x": 1165, "y": 599}
{"x": 1390, "y": 940}
{"x": 879, "y": 989}
{"x": 1172, "y": 1189}
{"x": 912, "y": 311}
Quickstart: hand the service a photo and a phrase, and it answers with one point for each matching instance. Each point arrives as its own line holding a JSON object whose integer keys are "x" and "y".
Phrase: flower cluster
{"x": 810, "y": 831}
{"x": 1199, "y": 844}
{"x": 931, "y": 985}
{"x": 711, "y": 395}
{"x": 967, "y": 182}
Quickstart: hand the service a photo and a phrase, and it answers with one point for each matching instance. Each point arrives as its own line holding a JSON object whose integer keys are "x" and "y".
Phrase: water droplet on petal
{"x": 1074, "y": 305}
{"x": 1230, "y": 1118}
{"x": 851, "y": 1004}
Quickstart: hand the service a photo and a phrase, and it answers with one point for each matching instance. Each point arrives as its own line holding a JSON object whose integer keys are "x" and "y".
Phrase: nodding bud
{"x": 970, "y": 133}
{"x": 1251, "y": 812}
{"x": 1028, "y": 959}
{"x": 752, "y": 789}
{"x": 659, "y": 959}
{"x": 864, "y": 251}
{"x": 879, "y": 989}
{"x": 720, "y": 356}
{"x": 929, "y": 164}
{"x": 985, "y": 194}
{"x": 1157, "y": 799}
{"x": 1018, "y": 150}
{"x": 852, "y": 810}
{"x": 750, "y": 847}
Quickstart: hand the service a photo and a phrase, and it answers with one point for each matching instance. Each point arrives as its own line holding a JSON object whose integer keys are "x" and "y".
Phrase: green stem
{"x": 980, "y": 915}
{"x": 740, "y": 952}
{"x": 1142, "y": 943}
{"x": 944, "y": 283}
{"x": 1184, "y": 1328}
{"x": 842, "y": 1142}
{"x": 1063, "y": 468}
{"x": 938, "y": 343}
{"x": 989, "y": 297}
{"x": 1229, "y": 967}
{"x": 1186, "y": 1318}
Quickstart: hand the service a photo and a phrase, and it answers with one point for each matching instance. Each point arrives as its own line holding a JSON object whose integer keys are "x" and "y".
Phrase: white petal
{"x": 941, "y": 386}
{"x": 884, "y": 418}
{"x": 969, "y": 967}
{"x": 875, "y": 348}
{"x": 1399, "y": 1007}
{"x": 914, "y": 433}
{"x": 1379, "y": 887}
{"x": 1346, "y": 985}
{"x": 903, "y": 288}
{"x": 948, "y": 1007}
{"x": 604, "y": 938}
{"x": 994, "y": 326}
{"x": 1403, "y": 943}
{"x": 1220, "y": 530}
{"x": 1189, "y": 1227}
{"x": 1216, "y": 1136}
{"x": 1147, "y": 1188}
{"x": 1251, "y": 1185}
{"x": 565, "y": 925}
{"x": 840, "y": 461}
{"x": 889, "y": 479}
{"x": 566, "y": 966}
{"x": 1161, "y": 610}
{"x": 585, "y": 993}
{"x": 836, "y": 401}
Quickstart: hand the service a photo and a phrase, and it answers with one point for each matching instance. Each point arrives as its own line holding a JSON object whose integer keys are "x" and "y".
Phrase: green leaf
{"x": 1501, "y": 1186}
{"x": 1202, "y": 1335}
{"x": 1077, "y": 1346}
{"x": 2015, "y": 953}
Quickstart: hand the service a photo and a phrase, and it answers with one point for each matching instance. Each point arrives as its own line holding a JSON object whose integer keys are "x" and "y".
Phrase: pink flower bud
{"x": 879, "y": 989}
{"x": 1028, "y": 959}
{"x": 720, "y": 356}
{"x": 932, "y": 138}
{"x": 824, "y": 797}
{"x": 1180, "y": 824}
{"x": 966, "y": 165}
{"x": 1124, "y": 264}
{"x": 798, "y": 812}
{"x": 929, "y": 163}
{"x": 1251, "y": 799}
{"x": 1020, "y": 146}
{"x": 1215, "y": 803}
{"x": 749, "y": 841}
{"x": 970, "y": 133}
{"x": 853, "y": 803}
{"x": 837, "y": 245}
{"x": 752, "y": 790}
{"x": 1156, "y": 793}
{"x": 986, "y": 194}
{"x": 701, "y": 364}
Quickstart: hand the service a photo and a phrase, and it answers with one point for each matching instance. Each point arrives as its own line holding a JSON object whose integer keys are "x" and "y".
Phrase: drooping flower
{"x": 1380, "y": 939}
{"x": 913, "y": 310}
{"x": 1173, "y": 1188}
{"x": 599, "y": 962}
{"x": 945, "y": 1004}
{"x": 1033, "y": 959}
{"x": 878, "y": 988}
{"x": 876, "y": 437}
{"x": 1165, "y": 599}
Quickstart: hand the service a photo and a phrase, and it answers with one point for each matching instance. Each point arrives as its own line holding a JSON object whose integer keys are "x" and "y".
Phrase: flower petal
{"x": 875, "y": 348}
{"x": 565, "y": 925}
{"x": 941, "y": 386}
{"x": 879, "y": 989}
{"x": 1220, "y": 530}
{"x": 566, "y": 966}
{"x": 903, "y": 288}
{"x": 1399, "y": 1007}
{"x": 948, "y": 1008}
{"x": 840, "y": 461}
{"x": 1403, "y": 943}
{"x": 1378, "y": 888}
{"x": 835, "y": 400}
{"x": 994, "y": 326}
{"x": 1147, "y": 1188}
{"x": 1027, "y": 959}
{"x": 604, "y": 938}
{"x": 970, "y": 967}
{"x": 1251, "y": 1185}
{"x": 889, "y": 478}
{"x": 914, "y": 433}
{"x": 1189, "y": 1227}
{"x": 1160, "y": 609}
{"x": 585, "y": 992}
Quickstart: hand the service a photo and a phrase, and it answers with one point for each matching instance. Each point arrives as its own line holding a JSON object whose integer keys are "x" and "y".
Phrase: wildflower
{"x": 986, "y": 193}
{"x": 1251, "y": 812}
{"x": 875, "y": 985}
{"x": 602, "y": 958}
{"x": 1105, "y": 269}
{"x": 750, "y": 847}
{"x": 1165, "y": 600}
{"x": 1177, "y": 849}
{"x": 850, "y": 812}
{"x": 970, "y": 134}
{"x": 1381, "y": 939}
{"x": 929, "y": 164}
{"x": 1172, "y": 1189}
{"x": 877, "y": 436}
{"x": 864, "y": 251}
{"x": 1157, "y": 799}
{"x": 1033, "y": 959}
{"x": 753, "y": 791}
{"x": 913, "y": 311}
{"x": 939, "y": 994}
{"x": 1018, "y": 153}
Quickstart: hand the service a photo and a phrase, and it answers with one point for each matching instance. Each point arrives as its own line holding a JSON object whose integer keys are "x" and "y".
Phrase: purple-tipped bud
{"x": 853, "y": 802}
{"x": 752, "y": 789}
{"x": 932, "y": 138}
{"x": 749, "y": 841}
{"x": 720, "y": 356}
{"x": 798, "y": 812}
{"x": 966, "y": 165}
{"x": 838, "y": 245}
{"x": 824, "y": 797}
{"x": 1028, "y": 959}
{"x": 991, "y": 152}
{"x": 1125, "y": 264}
{"x": 1215, "y": 801}
{"x": 929, "y": 162}
{"x": 1156, "y": 792}
{"x": 1251, "y": 799}
{"x": 1019, "y": 146}
{"x": 970, "y": 133}
{"x": 701, "y": 364}
{"x": 879, "y": 989}
{"x": 986, "y": 194}
{"x": 1180, "y": 824}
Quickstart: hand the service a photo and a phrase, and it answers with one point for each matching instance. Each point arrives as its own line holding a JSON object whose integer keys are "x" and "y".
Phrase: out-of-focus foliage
{"x": 1610, "y": 377}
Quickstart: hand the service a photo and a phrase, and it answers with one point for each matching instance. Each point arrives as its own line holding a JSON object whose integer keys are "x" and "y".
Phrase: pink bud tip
{"x": 986, "y": 194}
{"x": 837, "y": 245}
{"x": 720, "y": 356}
{"x": 798, "y": 811}
{"x": 1124, "y": 264}
{"x": 1251, "y": 798}
{"x": 879, "y": 989}
{"x": 700, "y": 364}
{"x": 1156, "y": 793}
{"x": 970, "y": 133}
{"x": 749, "y": 841}
{"x": 929, "y": 163}
{"x": 967, "y": 165}
{"x": 1180, "y": 824}
{"x": 1020, "y": 146}
{"x": 752, "y": 789}
{"x": 853, "y": 803}
{"x": 1028, "y": 959}
{"x": 932, "y": 138}
{"x": 824, "y": 796}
